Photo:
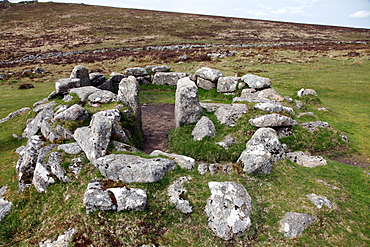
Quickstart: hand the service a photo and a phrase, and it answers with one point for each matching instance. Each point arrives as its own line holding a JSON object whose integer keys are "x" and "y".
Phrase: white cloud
{"x": 288, "y": 10}
{"x": 360, "y": 14}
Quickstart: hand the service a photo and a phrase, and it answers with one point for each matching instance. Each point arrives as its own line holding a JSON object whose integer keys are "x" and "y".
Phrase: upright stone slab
{"x": 187, "y": 107}
{"x": 82, "y": 73}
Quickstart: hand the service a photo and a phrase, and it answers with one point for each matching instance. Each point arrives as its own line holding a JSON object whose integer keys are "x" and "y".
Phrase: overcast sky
{"x": 350, "y": 13}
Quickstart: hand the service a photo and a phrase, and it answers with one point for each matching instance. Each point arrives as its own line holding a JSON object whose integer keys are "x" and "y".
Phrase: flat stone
{"x": 229, "y": 114}
{"x": 272, "y": 120}
{"x": 306, "y": 160}
{"x": 295, "y": 223}
{"x": 183, "y": 161}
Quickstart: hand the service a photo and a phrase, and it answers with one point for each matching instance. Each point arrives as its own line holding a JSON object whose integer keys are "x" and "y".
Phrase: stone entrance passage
{"x": 157, "y": 121}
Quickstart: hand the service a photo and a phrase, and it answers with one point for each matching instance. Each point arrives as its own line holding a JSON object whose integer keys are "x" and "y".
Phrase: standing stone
{"x": 203, "y": 128}
{"x": 228, "y": 209}
{"x": 227, "y": 84}
{"x": 82, "y": 73}
{"x": 229, "y": 114}
{"x": 187, "y": 107}
{"x": 294, "y": 223}
{"x": 62, "y": 86}
{"x": 257, "y": 82}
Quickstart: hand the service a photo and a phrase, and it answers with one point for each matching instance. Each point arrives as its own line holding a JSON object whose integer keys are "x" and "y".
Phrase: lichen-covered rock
{"x": 294, "y": 223}
{"x": 137, "y": 71}
{"x": 62, "y": 241}
{"x": 208, "y": 74}
{"x": 254, "y": 81}
{"x": 70, "y": 148}
{"x": 82, "y": 73}
{"x": 304, "y": 92}
{"x": 229, "y": 114}
{"x": 133, "y": 169}
{"x": 176, "y": 193}
{"x": 62, "y": 86}
{"x": 227, "y": 142}
{"x": 123, "y": 147}
{"x": 167, "y": 78}
{"x": 205, "y": 84}
{"x": 227, "y": 84}
{"x": 128, "y": 94}
{"x": 263, "y": 95}
{"x": 203, "y": 128}
{"x": 5, "y": 206}
{"x": 96, "y": 198}
{"x": 183, "y": 161}
{"x": 319, "y": 201}
{"x": 187, "y": 107}
{"x": 100, "y": 97}
{"x": 129, "y": 199}
{"x": 228, "y": 209}
{"x": 84, "y": 92}
{"x": 269, "y": 107}
{"x": 306, "y": 160}
{"x": 34, "y": 125}
{"x": 312, "y": 126}
{"x": 272, "y": 120}
{"x": 73, "y": 113}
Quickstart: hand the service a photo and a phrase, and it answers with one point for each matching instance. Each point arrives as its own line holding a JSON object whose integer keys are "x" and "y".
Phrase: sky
{"x": 348, "y": 13}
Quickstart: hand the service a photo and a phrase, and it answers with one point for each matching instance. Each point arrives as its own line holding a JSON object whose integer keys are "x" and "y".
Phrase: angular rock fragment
{"x": 82, "y": 73}
{"x": 272, "y": 120}
{"x": 227, "y": 84}
{"x": 34, "y": 125}
{"x": 167, "y": 78}
{"x": 62, "y": 86}
{"x": 203, "y": 128}
{"x": 73, "y": 113}
{"x": 5, "y": 206}
{"x": 128, "y": 94}
{"x": 229, "y": 114}
{"x": 306, "y": 160}
{"x": 70, "y": 148}
{"x": 96, "y": 198}
{"x": 100, "y": 97}
{"x": 205, "y": 84}
{"x": 208, "y": 74}
{"x": 129, "y": 199}
{"x": 84, "y": 92}
{"x": 319, "y": 201}
{"x": 181, "y": 160}
{"x": 254, "y": 81}
{"x": 176, "y": 193}
{"x": 62, "y": 241}
{"x": 294, "y": 223}
{"x": 227, "y": 142}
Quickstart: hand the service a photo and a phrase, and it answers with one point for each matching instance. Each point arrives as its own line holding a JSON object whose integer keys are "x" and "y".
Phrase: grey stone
{"x": 208, "y": 74}
{"x": 96, "y": 198}
{"x": 227, "y": 84}
{"x": 129, "y": 94}
{"x": 5, "y": 206}
{"x": 137, "y": 71}
{"x": 183, "y": 161}
{"x": 212, "y": 168}
{"x": 39, "y": 70}
{"x": 229, "y": 114}
{"x": 14, "y": 114}
{"x": 306, "y": 160}
{"x": 299, "y": 104}
{"x": 84, "y": 92}
{"x": 67, "y": 98}
{"x": 108, "y": 85}
{"x": 62, "y": 241}
{"x": 129, "y": 199}
{"x": 62, "y": 86}
{"x": 304, "y": 92}
{"x": 35, "y": 124}
{"x": 116, "y": 77}
{"x": 176, "y": 193}
{"x": 269, "y": 107}
{"x": 73, "y": 113}
{"x": 294, "y": 223}
{"x": 211, "y": 107}
{"x": 41, "y": 107}
{"x": 41, "y": 177}
{"x": 202, "y": 168}
{"x": 82, "y": 73}
{"x": 167, "y": 78}
{"x": 123, "y": 147}
{"x": 312, "y": 126}
{"x": 264, "y": 95}
{"x": 205, "y": 84}
{"x": 319, "y": 201}
{"x": 96, "y": 79}
{"x": 302, "y": 114}
{"x": 269, "y": 93}
{"x": 228, "y": 209}
{"x": 187, "y": 107}
{"x": 254, "y": 81}
{"x": 70, "y": 148}
{"x": 134, "y": 169}
{"x": 76, "y": 166}
{"x": 203, "y": 128}
{"x": 283, "y": 131}
{"x": 100, "y": 97}
{"x": 272, "y": 120}
{"x": 227, "y": 142}
{"x": 158, "y": 68}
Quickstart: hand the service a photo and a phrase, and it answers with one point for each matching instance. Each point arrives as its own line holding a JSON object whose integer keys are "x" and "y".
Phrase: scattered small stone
{"x": 312, "y": 126}
{"x": 14, "y": 114}
{"x": 299, "y": 104}
{"x": 304, "y": 92}
{"x": 62, "y": 241}
{"x": 294, "y": 223}
{"x": 302, "y": 114}
{"x": 319, "y": 201}
{"x": 323, "y": 109}
{"x": 176, "y": 193}
{"x": 202, "y": 168}
{"x": 227, "y": 142}
{"x": 306, "y": 160}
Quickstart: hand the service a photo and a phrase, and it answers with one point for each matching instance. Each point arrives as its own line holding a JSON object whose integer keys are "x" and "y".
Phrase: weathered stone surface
{"x": 272, "y": 120}
{"x": 133, "y": 169}
{"x": 254, "y": 81}
{"x": 181, "y": 160}
{"x": 304, "y": 92}
{"x": 82, "y": 73}
{"x": 129, "y": 94}
{"x": 227, "y": 142}
{"x": 269, "y": 107}
{"x": 302, "y": 114}
{"x": 208, "y": 74}
{"x": 129, "y": 199}
{"x": 262, "y": 150}
{"x": 312, "y": 126}
{"x": 205, "y": 84}
{"x": 34, "y": 125}
{"x": 319, "y": 201}
{"x": 299, "y": 104}
{"x": 27, "y": 162}
{"x": 187, "y": 107}
{"x": 294, "y": 223}
{"x": 215, "y": 168}
{"x": 5, "y": 206}
{"x": 116, "y": 77}
{"x": 73, "y": 113}
{"x": 48, "y": 132}
{"x": 14, "y": 114}
{"x": 62, "y": 86}
{"x": 264, "y": 95}
{"x": 227, "y": 84}
{"x": 84, "y": 92}
{"x": 96, "y": 79}
{"x": 137, "y": 71}
{"x": 269, "y": 93}
{"x": 229, "y": 114}
{"x": 123, "y": 147}
{"x": 306, "y": 160}
{"x": 228, "y": 209}
{"x": 62, "y": 241}
{"x": 70, "y": 148}
{"x": 94, "y": 139}
{"x": 202, "y": 168}
{"x": 96, "y": 198}
{"x": 108, "y": 85}
{"x": 167, "y": 78}
{"x": 100, "y": 97}
{"x": 41, "y": 107}
{"x": 176, "y": 193}
{"x": 158, "y": 68}
{"x": 114, "y": 115}
{"x": 203, "y": 128}
{"x": 211, "y": 107}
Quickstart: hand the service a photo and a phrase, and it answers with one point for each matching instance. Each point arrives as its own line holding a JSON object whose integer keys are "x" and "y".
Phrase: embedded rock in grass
{"x": 312, "y": 126}
{"x": 96, "y": 198}
{"x": 62, "y": 241}
{"x": 227, "y": 142}
{"x": 254, "y": 81}
{"x": 176, "y": 193}
{"x": 228, "y": 209}
{"x": 203, "y": 128}
{"x": 205, "y": 84}
{"x": 208, "y": 74}
{"x": 63, "y": 86}
{"x": 129, "y": 199}
{"x": 73, "y": 113}
{"x": 70, "y": 148}
{"x": 82, "y": 73}
{"x": 123, "y": 147}
{"x": 299, "y": 104}
{"x": 167, "y": 78}
{"x": 137, "y": 72}
{"x": 229, "y": 114}
{"x": 34, "y": 125}
{"x": 269, "y": 93}
{"x": 294, "y": 223}
{"x": 181, "y": 160}
{"x": 5, "y": 206}
{"x": 304, "y": 92}
{"x": 159, "y": 68}
{"x": 272, "y": 120}
{"x": 306, "y": 160}
{"x": 84, "y": 92}
{"x": 227, "y": 84}
{"x": 26, "y": 163}
{"x": 187, "y": 107}
{"x": 262, "y": 150}
{"x": 302, "y": 114}
{"x": 264, "y": 95}
{"x": 14, "y": 114}
{"x": 128, "y": 94}
{"x": 100, "y": 97}
{"x": 319, "y": 201}
{"x": 133, "y": 169}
